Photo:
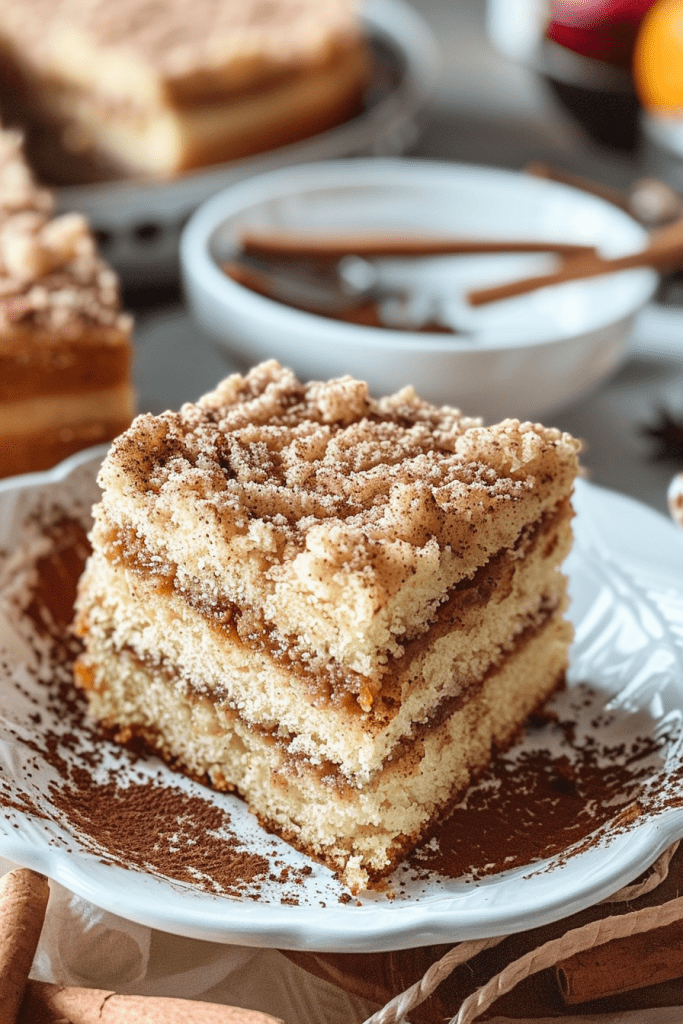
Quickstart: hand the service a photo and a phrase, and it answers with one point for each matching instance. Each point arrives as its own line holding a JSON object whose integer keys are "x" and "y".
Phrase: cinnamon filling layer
{"x": 406, "y": 753}
{"x": 325, "y": 678}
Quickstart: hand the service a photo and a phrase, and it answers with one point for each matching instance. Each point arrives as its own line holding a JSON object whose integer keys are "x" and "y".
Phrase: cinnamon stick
{"x": 52, "y": 1004}
{"x": 365, "y": 312}
{"x": 622, "y": 965}
{"x": 664, "y": 251}
{"x": 283, "y": 244}
{"x": 23, "y": 902}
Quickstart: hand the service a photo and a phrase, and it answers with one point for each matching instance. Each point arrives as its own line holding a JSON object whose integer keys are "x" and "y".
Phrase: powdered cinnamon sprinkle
{"x": 579, "y": 778}
{"x": 144, "y": 824}
{"x": 164, "y": 830}
{"x": 533, "y": 806}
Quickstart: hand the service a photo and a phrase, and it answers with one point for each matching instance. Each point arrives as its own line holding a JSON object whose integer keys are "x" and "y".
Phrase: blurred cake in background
{"x": 65, "y": 349}
{"x": 152, "y": 89}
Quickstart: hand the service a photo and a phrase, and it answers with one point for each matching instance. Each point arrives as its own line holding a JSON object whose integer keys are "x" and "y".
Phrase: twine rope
{"x": 596, "y": 933}
{"x": 397, "y": 1008}
{"x": 657, "y": 874}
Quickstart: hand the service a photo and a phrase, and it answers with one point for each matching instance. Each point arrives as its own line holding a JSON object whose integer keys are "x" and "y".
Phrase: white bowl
{"x": 139, "y": 222}
{"x": 522, "y": 357}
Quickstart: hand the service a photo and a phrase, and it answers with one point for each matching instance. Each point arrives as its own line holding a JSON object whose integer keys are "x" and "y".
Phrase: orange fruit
{"x": 658, "y": 58}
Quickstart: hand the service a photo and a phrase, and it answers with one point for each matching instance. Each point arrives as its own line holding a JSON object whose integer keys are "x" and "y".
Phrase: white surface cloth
{"x": 83, "y": 945}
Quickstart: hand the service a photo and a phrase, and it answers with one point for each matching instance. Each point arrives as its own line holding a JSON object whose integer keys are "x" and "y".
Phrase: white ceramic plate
{"x": 139, "y": 222}
{"x": 625, "y": 570}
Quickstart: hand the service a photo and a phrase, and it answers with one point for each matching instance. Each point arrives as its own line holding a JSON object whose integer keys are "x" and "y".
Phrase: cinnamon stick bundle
{"x": 622, "y": 965}
{"x": 23, "y": 902}
{"x": 52, "y": 1004}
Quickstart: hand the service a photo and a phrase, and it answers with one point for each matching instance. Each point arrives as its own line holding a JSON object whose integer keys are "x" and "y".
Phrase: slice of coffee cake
{"x": 65, "y": 345}
{"x": 336, "y": 605}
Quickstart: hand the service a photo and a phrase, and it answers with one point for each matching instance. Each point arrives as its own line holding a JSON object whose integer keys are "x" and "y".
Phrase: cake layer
{"x": 35, "y": 361}
{"x": 361, "y": 831}
{"x": 31, "y": 416}
{"x": 229, "y": 655}
{"x": 42, "y": 449}
{"x": 344, "y": 520}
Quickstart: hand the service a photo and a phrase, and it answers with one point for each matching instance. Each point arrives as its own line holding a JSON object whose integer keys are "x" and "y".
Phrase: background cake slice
{"x": 156, "y": 89}
{"x": 65, "y": 348}
{"x": 338, "y": 606}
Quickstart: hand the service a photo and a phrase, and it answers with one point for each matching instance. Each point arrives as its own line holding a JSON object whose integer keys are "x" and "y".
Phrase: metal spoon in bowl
{"x": 350, "y": 289}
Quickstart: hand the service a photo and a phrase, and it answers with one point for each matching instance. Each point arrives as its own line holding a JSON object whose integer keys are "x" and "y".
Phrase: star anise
{"x": 667, "y": 434}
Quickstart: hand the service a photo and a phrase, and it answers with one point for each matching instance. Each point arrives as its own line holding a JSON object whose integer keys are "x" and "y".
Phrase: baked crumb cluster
{"x": 50, "y": 273}
{"x": 18, "y": 190}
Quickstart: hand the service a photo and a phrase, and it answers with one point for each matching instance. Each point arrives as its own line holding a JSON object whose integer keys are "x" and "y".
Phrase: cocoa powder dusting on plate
{"x": 578, "y": 777}
{"x": 145, "y": 824}
{"x": 156, "y": 828}
{"x": 535, "y": 805}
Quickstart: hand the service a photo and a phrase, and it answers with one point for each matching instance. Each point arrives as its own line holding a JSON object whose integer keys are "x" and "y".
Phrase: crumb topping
{"x": 18, "y": 190}
{"x": 345, "y": 519}
{"x": 280, "y": 459}
{"x": 50, "y": 273}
